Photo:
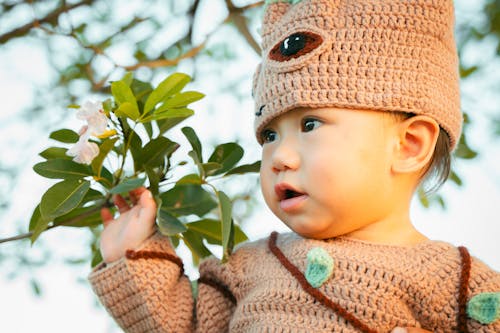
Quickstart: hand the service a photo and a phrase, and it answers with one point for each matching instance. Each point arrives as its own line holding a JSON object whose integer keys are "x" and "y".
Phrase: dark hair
{"x": 439, "y": 167}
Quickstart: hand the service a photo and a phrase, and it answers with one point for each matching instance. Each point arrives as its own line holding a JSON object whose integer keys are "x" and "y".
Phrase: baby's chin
{"x": 314, "y": 232}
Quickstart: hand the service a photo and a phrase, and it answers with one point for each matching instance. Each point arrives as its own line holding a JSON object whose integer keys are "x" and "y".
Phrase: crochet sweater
{"x": 384, "y": 286}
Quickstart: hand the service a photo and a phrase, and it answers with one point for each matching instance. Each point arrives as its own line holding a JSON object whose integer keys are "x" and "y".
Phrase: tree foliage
{"x": 90, "y": 43}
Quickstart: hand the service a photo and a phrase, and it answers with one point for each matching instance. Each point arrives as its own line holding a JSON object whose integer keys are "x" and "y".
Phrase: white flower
{"x": 83, "y": 151}
{"x": 94, "y": 115}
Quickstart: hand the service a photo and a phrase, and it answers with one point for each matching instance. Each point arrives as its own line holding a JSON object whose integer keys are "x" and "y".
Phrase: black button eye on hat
{"x": 295, "y": 45}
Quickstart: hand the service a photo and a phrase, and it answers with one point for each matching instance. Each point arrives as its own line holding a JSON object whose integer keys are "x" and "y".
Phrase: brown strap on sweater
{"x": 318, "y": 295}
{"x": 220, "y": 287}
{"x": 134, "y": 255}
{"x": 463, "y": 289}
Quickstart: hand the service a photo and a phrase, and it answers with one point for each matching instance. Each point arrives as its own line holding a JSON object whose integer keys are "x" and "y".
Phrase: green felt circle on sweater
{"x": 319, "y": 266}
{"x": 484, "y": 307}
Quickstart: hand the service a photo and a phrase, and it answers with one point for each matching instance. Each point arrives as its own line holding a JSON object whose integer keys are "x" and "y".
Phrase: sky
{"x": 67, "y": 303}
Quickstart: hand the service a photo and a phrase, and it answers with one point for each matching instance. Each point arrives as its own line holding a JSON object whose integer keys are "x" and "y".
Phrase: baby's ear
{"x": 417, "y": 140}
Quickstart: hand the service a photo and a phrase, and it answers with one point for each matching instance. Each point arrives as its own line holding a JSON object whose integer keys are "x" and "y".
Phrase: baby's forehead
{"x": 301, "y": 112}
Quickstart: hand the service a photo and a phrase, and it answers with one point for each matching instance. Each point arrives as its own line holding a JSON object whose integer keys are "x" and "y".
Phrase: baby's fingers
{"x": 106, "y": 216}
{"x": 147, "y": 211}
{"x": 121, "y": 203}
{"x": 136, "y": 194}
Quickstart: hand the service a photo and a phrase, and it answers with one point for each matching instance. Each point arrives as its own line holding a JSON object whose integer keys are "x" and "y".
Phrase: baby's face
{"x": 327, "y": 172}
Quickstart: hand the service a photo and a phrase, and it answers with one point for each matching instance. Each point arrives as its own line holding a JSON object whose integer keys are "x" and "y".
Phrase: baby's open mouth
{"x": 285, "y": 192}
{"x": 290, "y": 199}
{"x": 291, "y": 194}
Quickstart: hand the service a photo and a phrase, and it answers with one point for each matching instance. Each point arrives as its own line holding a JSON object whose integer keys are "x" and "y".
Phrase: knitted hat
{"x": 384, "y": 55}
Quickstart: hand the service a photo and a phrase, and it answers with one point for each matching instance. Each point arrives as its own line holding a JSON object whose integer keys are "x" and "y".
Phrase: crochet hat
{"x": 385, "y": 55}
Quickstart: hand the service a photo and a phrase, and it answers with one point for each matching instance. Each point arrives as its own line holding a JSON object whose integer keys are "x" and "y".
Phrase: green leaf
{"x": 128, "y": 78}
{"x": 96, "y": 259}
{"x": 124, "y": 96}
{"x": 193, "y": 139}
{"x": 127, "y": 109}
{"x": 228, "y": 155}
{"x": 195, "y": 243}
{"x": 135, "y": 148}
{"x": 92, "y": 195}
{"x": 55, "y": 152}
{"x": 149, "y": 129}
{"x": 168, "y": 224}
{"x": 107, "y": 105}
{"x": 181, "y": 100}
{"x": 463, "y": 150}
{"x": 170, "y": 113}
{"x": 104, "y": 148}
{"x": 107, "y": 179}
{"x": 225, "y": 211}
{"x": 65, "y": 136}
{"x": 197, "y": 162}
{"x": 211, "y": 230}
{"x": 168, "y": 87}
{"x": 62, "y": 169}
{"x": 63, "y": 197}
{"x": 465, "y": 72}
{"x": 166, "y": 124}
{"x": 246, "y": 168}
{"x": 37, "y": 224}
{"x": 35, "y": 287}
{"x": 141, "y": 89}
{"x": 190, "y": 179}
{"x": 424, "y": 199}
{"x": 211, "y": 168}
{"x": 154, "y": 152}
{"x": 127, "y": 185}
{"x": 455, "y": 178}
{"x": 187, "y": 200}
{"x": 82, "y": 217}
{"x": 154, "y": 180}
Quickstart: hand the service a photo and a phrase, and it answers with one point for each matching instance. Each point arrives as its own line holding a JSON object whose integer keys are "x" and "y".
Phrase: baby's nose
{"x": 285, "y": 157}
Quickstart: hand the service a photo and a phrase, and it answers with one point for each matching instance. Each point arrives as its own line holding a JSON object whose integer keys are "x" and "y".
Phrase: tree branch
{"x": 166, "y": 62}
{"x": 52, "y": 17}
{"x": 239, "y": 20}
{"x": 64, "y": 223}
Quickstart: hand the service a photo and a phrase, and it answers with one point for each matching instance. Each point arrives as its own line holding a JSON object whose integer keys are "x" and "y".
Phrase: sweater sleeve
{"x": 216, "y": 302}
{"x": 484, "y": 280}
{"x": 146, "y": 291}
{"x": 146, "y": 294}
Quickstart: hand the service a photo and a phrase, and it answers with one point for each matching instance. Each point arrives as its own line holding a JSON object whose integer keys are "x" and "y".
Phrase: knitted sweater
{"x": 383, "y": 286}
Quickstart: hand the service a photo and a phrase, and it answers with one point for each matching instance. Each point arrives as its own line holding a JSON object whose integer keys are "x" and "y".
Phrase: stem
{"x": 64, "y": 223}
{"x": 125, "y": 150}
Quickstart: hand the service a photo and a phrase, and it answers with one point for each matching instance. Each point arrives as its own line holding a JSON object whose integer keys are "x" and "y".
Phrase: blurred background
{"x": 55, "y": 53}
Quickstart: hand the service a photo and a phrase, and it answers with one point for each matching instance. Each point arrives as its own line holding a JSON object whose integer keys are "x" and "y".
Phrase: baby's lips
{"x": 281, "y": 189}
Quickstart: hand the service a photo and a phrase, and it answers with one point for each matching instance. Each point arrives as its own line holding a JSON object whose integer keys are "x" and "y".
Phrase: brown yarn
{"x": 134, "y": 255}
{"x": 312, "y": 41}
{"x": 463, "y": 289}
{"x": 220, "y": 287}
{"x": 318, "y": 295}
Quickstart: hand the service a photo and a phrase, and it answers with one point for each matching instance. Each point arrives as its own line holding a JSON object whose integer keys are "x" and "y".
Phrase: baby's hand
{"x": 134, "y": 225}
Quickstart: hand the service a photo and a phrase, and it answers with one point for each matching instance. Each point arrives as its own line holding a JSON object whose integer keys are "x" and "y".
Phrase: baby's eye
{"x": 268, "y": 136}
{"x": 308, "y": 124}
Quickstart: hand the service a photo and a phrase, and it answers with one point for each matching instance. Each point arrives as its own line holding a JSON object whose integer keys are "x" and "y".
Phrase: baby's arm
{"x": 141, "y": 281}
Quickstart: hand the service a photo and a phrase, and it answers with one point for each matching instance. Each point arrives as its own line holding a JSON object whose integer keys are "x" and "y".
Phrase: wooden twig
{"x": 49, "y": 18}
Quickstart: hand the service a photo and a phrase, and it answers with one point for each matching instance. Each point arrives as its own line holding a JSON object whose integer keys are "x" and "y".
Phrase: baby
{"x": 357, "y": 103}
